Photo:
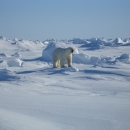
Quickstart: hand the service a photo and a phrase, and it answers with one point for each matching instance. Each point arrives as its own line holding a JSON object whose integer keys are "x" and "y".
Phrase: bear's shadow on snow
{"x": 63, "y": 71}
{"x": 58, "y": 71}
{"x": 50, "y": 71}
{"x": 5, "y": 75}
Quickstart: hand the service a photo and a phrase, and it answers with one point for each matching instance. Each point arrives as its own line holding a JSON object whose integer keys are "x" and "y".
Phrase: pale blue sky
{"x": 64, "y": 19}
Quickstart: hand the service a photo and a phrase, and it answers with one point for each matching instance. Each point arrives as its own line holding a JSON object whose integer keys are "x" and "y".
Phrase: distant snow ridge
{"x": 78, "y": 41}
{"x": 100, "y": 43}
{"x": 118, "y": 41}
{"x": 2, "y": 38}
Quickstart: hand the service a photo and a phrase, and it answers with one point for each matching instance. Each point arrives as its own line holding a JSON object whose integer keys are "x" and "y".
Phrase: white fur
{"x": 60, "y": 55}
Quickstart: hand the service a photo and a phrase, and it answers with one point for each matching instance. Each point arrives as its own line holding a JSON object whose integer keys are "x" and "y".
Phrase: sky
{"x": 64, "y": 19}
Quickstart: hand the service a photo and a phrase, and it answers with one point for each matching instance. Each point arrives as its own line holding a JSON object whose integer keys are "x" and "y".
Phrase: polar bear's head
{"x": 71, "y": 49}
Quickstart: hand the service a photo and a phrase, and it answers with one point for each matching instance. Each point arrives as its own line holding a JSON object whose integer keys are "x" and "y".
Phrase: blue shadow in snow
{"x": 58, "y": 71}
{"x": 105, "y": 72}
{"x": 35, "y": 59}
{"x": 49, "y": 71}
{"x": 26, "y": 72}
{"x": 5, "y": 75}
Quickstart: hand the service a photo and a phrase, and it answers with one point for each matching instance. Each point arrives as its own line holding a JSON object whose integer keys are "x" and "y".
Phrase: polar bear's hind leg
{"x": 55, "y": 63}
{"x": 62, "y": 63}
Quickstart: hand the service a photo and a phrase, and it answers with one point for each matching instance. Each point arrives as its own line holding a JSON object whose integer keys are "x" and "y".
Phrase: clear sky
{"x": 64, "y": 19}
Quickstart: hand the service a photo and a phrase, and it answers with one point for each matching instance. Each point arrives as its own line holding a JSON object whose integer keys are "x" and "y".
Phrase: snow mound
{"x": 2, "y": 55}
{"x": 86, "y": 59}
{"x": 47, "y": 52}
{"x": 14, "y": 62}
{"x": 17, "y": 55}
{"x": 124, "y": 58}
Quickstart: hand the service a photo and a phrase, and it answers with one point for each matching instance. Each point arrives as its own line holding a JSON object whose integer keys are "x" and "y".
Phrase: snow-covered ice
{"x": 94, "y": 94}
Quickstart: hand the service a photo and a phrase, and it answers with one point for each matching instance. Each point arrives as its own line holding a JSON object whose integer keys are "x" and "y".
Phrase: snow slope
{"x": 92, "y": 95}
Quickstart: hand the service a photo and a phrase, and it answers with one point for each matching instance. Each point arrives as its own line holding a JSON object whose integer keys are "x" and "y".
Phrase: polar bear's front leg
{"x": 58, "y": 63}
{"x": 69, "y": 60}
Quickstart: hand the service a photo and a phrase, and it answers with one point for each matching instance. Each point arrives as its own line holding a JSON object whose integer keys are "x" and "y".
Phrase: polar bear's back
{"x": 58, "y": 51}
{"x": 62, "y": 53}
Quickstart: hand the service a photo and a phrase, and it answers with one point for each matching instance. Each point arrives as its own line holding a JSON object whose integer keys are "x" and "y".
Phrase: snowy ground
{"x": 93, "y": 95}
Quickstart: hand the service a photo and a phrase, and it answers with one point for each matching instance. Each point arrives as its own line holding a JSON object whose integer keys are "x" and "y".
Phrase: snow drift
{"x": 15, "y": 60}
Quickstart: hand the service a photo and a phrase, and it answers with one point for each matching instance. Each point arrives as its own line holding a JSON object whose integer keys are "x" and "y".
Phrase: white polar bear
{"x": 60, "y": 55}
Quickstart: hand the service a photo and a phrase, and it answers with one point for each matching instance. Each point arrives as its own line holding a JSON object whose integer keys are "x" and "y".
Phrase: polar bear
{"x": 60, "y": 55}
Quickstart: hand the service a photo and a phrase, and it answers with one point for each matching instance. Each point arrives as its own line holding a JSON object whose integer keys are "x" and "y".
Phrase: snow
{"x": 93, "y": 94}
